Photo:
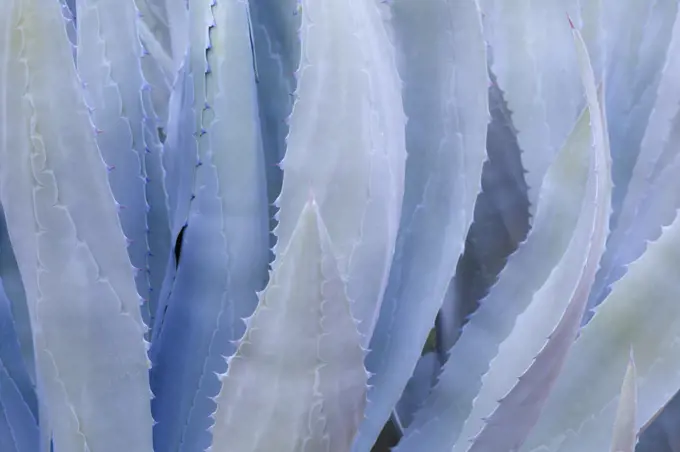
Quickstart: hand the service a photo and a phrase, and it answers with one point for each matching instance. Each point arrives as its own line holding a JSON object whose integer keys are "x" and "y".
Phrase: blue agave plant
{"x": 231, "y": 225}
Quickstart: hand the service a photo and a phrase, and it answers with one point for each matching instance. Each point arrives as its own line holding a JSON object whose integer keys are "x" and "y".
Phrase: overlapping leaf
{"x": 443, "y": 64}
{"x": 297, "y": 381}
{"x": 223, "y": 260}
{"x": 64, "y": 228}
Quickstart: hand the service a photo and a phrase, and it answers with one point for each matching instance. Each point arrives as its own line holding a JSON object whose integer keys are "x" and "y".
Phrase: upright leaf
{"x": 443, "y": 64}
{"x": 297, "y": 381}
{"x": 649, "y": 202}
{"x": 348, "y": 72}
{"x": 109, "y": 63}
{"x": 501, "y": 223}
{"x": 18, "y": 403}
{"x": 14, "y": 289}
{"x": 511, "y": 327}
{"x": 637, "y": 34}
{"x": 580, "y": 412}
{"x": 507, "y": 423}
{"x": 63, "y": 225}
{"x": 224, "y": 253}
{"x": 535, "y": 64}
{"x": 625, "y": 429}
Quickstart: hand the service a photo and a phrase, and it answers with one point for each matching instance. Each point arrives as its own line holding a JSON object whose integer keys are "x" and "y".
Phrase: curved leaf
{"x": 529, "y": 275}
{"x": 224, "y": 253}
{"x": 64, "y": 229}
{"x": 535, "y": 64}
{"x": 297, "y": 381}
{"x": 358, "y": 177}
{"x": 443, "y": 64}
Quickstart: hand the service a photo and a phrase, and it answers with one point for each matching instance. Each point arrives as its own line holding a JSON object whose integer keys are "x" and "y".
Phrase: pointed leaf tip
{"x": 625, "y": 431}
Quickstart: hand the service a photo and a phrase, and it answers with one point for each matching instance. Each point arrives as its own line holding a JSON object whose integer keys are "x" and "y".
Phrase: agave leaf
{"x": 275, "y": 33}
{"x": 14, "y": 370}
{"x": 590, "y": 21}
{"x": 441, "y": 419}
{"x": 297, "y": 381}
{"x": 184, "y": 145}
{"x": 68, "y": 243}
{"x": 160, "y": 72}
{"x": 650, "y": 201}
{"x": 18, "y": 403}
{"x": 109, "y": 63}
{"x": 661, "y": 432}
{"x": 545, "y": 100}
{"x": 625, "y": 427}
{"x": 14, "y": 289}
{"x": 347, "y": 70}
{"x": 501, "y": 222}
{"x": 669, "y": 422}
{"x": 531, "y": 274}
{"x": 224, "y": 246}
{"x": 188, "y": 118}
{"x": 168, "y": 22}
{"x": 656, "y": 149}
{"x": 18, "y": 427}
{"x": 580, "y": 411}
{"x": 417, "y": 388}
{"x": 445, "y": 96}
{"x": 526, "y": 353}
{"x": 68, "y": 12}
{"x": 154, "y": 14}
{"x": 638, "y": 33}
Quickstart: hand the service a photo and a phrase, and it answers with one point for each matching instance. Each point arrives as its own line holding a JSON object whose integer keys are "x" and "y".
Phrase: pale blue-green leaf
{"x": 12, "y": 75}
{"x": 18, "y": 403}
{"x": 543, "y": 334}
{"x": 275, "y": 30}
{"x": 297, "y": 381}
{"x": 168, "y": 20}
{"x": 524, "y": 278}
{"x": 14, "y": 288}
{"x": 657, "y": 150}
{"x": 451, "y": 402}
{"x": 443, "y": 64}
{"x": 661, "y": 434}
{"x": 507, "y": 426}
{"x": 637, "y": 36}
{"x": 501, "y": 223}
{"x": 154, "y": 14}
{"x": 11, "y": 357}
{"x": 224, "y": 248}
{"x": 109, "y": 63}
{"x": 580, "y": 411}
{"x": 535, "y": 64}
{"x": 185, "y": 143}
{"x": 347, "y": 70}
{"x": 18, "y": 427}
{"x": 417, "y": 388}
{"x": 68, "y": 11}
{"x": 68, "y": 243}
{"x": 590, "y": 19}
{"x": 179, "y": 160}
{"x": 624, "y": 436}
{"x": 638, "y": 221}
{"x": 160, "y": 72}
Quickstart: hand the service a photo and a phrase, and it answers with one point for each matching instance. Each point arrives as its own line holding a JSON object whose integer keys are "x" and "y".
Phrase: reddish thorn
{"x": 571, "y": 24}
{"x": 99, "y": 131}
